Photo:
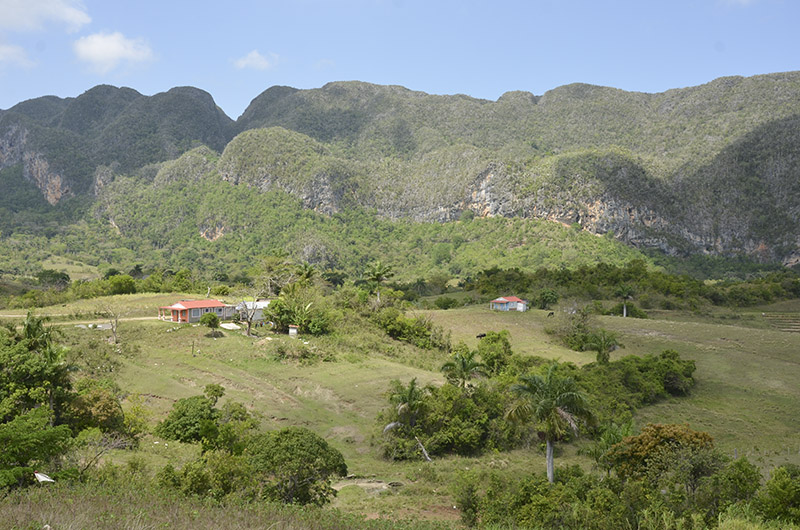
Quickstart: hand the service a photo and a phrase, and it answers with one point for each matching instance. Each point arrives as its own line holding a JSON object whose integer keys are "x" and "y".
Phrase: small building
{"x": 508, "y": 303}
{"x": 256, "y": 309}
{"x": 192, "y": 310}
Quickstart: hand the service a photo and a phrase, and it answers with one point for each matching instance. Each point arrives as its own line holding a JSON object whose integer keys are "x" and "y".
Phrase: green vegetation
{"x": 336, "y": 390}
{"x": 379, "y": 222}
{"x": 178, "y": 184}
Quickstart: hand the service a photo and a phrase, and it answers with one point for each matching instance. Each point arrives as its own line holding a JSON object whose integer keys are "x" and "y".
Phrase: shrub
{"x": 211, "y": 320}
{"x": 295, "y": 465}
{"x": 189, "y": 419}
{"x": 446, "y": 302}
{"x": 419, "y": 331}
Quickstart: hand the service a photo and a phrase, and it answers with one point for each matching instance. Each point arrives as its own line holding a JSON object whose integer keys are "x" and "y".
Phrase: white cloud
{"x": 105, "y": 51}
{"x": 742, "y": 3}
{"x": 256, "y": 61}
{"x": 15, "y": 55}
{"x": 28, "y": 15}
{"x": 325, "y": 64}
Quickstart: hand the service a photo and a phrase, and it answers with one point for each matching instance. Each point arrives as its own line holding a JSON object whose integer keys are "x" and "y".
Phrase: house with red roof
{"x": 192, "y": 310}
{"x": 508, "y": 303}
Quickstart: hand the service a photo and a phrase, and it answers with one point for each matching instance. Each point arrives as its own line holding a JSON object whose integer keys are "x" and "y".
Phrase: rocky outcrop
{"x": 12, "y": 146}
{"x": 53, "y": 185}
{"x": 14, "y": 149}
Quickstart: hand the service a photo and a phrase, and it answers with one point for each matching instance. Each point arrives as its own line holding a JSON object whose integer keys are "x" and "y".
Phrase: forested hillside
{"x": 701, "y": 170}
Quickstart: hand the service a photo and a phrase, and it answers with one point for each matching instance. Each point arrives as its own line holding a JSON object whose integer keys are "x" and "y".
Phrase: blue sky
{"x": 237, "y": 49}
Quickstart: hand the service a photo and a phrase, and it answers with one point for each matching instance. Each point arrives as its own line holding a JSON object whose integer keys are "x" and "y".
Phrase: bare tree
{"x": 113, "y": 314}
{"x": 277, "y": 273}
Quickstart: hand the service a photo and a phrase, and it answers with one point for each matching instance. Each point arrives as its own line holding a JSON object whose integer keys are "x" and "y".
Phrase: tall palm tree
{"x": 603, "y": 342}
{"x": 626, "y": 292}
{"x": 551, "y": 402}
{"x": 462, "y": 367}
{"x": 378, "y": 272}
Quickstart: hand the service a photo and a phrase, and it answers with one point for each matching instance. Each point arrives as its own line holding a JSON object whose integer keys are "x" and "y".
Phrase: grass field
{"x": 77, "y": 270}
{"x": 746, "y": 395}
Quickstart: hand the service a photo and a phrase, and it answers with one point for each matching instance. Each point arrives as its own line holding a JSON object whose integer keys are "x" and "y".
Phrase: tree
{"x": 277, "y": 272}
{"x": 626, "y": 292}
{"x": 495, "y": 351}
{"x": 603, "y": 342}
{"x": 27, "y": 440}
{"x": 189, "y": 419}
{"x": 211, "y": 320}
{"x": 463, "y": 366}
{"x": 39, "y": 339}
{"x": 53, "y": 278}
{"x": 638, "y": 456}
{"x": 122, "y": 284}
{"x": 114, "y": 313}
{"x": 551, "y": 402}
{"x": 408, "y": 400}
{"x": 376, "y": 272}
{"x": 306, "y": 273}
{"x": 547, "y": 298}
{"x": 294, "y": 465}
{"x": 610, "y": 434}
{"x": 780, "y": 496}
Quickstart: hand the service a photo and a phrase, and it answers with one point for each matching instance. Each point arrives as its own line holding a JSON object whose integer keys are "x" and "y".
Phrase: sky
{"x": 237, "y": 49}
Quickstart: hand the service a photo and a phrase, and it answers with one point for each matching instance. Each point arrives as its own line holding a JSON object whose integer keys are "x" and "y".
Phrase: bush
{"x": 495, "y": 351}
{"x": 211, "y": 320}
{"x": 419, "y": 331}
{"x": 780, "y": 497}
{"x": 295, "y": 465}
{"x": 446, "y": 302}
{"x": 448, "y": 420}
{"x": 189, "y": 420}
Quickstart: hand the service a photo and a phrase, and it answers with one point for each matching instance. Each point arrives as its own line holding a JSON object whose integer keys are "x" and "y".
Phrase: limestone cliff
{"x": 15, "y": 149}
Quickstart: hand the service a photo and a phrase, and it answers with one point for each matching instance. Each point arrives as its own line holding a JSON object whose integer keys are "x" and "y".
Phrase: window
{"x": 195, "y": 312}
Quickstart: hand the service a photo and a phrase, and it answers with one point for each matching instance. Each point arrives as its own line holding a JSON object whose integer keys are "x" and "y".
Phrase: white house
{"x": 256, "y": 309}
{"x": 508, "y": 303}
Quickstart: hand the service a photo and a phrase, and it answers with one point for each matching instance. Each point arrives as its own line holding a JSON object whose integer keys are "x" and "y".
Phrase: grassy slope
{"x": 746, "y": 395}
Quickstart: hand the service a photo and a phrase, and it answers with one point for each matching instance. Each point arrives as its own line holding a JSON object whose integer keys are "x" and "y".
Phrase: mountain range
{"x": 711, "y": 169}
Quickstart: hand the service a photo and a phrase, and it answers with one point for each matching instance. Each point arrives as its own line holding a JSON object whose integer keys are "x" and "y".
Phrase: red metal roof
{"x": 195, "y": 304}
{"x": 506, "y": 299}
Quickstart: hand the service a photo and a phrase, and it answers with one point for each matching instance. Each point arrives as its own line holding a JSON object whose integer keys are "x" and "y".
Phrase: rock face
{"x": 53, "y": 186}
{"x": 14, "y": 149}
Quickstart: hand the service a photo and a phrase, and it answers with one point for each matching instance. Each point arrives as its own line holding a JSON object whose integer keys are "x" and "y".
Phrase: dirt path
{"x": 76, "y": 322}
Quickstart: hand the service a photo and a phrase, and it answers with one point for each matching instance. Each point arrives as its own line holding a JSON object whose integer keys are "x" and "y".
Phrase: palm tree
{"x": 40, "y": 340}
{"x": 603, "y": 342}
{"x": 377, "y": 273}
{"x": 626, "y": 292}
{"x": 409, "y": 401}
{"x": 611, "y": 434}
{"x": 38, "y": 335}
{"x": 462, "y": 367}
{"x": 306, "y": 273}
{"x": 551, "y": 402}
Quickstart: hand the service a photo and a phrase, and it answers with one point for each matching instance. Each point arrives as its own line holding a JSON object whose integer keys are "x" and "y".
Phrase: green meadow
{"x": 746, "y": 391}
